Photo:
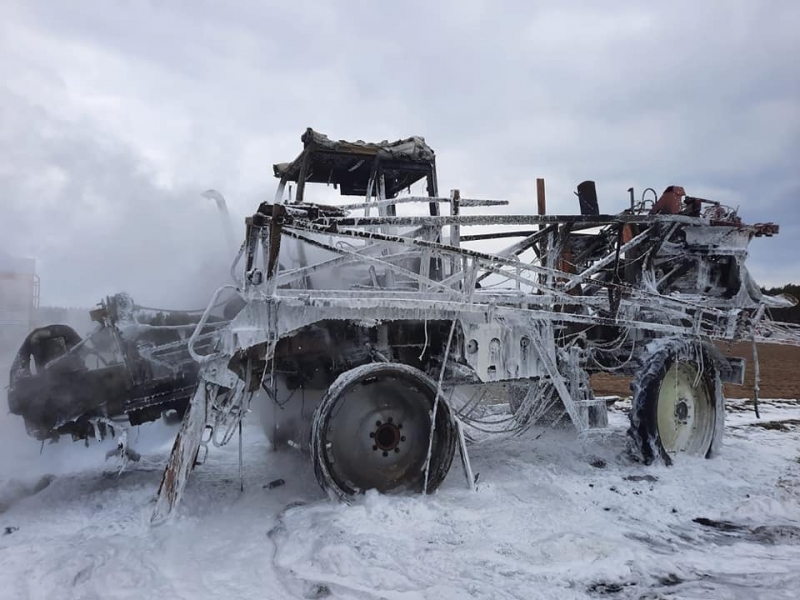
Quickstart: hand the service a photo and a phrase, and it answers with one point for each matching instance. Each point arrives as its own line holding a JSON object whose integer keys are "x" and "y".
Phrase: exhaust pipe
{"x": 226, "y": 219}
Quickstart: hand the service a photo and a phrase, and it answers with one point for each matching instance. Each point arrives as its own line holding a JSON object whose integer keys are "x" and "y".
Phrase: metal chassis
{"x": 547, "y": 300}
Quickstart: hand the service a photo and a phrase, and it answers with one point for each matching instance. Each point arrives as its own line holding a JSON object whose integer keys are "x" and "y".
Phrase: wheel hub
{"x": 387, "y": 436}
{"x": 682, "y": 412}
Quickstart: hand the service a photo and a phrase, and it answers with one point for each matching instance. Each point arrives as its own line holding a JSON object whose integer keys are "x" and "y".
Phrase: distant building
{"x": 19, "y": 299}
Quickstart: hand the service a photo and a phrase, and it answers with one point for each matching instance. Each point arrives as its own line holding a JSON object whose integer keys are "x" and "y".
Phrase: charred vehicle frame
{"x": 391, "y": 328}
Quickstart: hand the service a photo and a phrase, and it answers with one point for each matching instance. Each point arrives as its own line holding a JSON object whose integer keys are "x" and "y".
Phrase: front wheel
{"x": 372, "y": 431}
{"x": 677, "y": 407}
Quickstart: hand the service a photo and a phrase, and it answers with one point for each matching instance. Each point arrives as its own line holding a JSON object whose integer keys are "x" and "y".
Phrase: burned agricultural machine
{"x": 134, "y": 368}
{"x": 374, "y": 335}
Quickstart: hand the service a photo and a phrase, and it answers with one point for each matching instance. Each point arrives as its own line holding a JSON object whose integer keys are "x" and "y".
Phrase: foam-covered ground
{"x": 553, "y": 517}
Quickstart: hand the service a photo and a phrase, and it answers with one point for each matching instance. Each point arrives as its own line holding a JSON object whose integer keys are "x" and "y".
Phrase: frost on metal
{"x": 526, "y": 316}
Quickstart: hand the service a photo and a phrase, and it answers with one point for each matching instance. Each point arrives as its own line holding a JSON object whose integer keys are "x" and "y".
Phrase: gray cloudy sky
{"x": 114, "y": 116}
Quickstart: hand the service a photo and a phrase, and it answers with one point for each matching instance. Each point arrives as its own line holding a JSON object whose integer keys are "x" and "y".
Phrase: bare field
{"x": 779, "y": 365}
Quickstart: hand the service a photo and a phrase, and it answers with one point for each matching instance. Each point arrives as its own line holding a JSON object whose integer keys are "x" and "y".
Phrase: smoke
{"x": 95, "y": 216}
{"x": 98, "y": 219}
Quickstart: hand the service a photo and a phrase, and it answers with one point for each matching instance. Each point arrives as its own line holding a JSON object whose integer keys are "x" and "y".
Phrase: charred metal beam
{"x": 498, "y": 235}
{"x": 301, "y": 178}
{"x": 465, "y": 202}
{"x": 275, "y": 225}
{"x": 183, "y": 455}
{"x": 470, "y": 220}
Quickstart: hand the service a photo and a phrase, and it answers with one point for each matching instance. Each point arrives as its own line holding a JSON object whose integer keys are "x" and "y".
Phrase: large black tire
{"x": 43, "y": 345}
{"x": 677, "y": 405}
{"x": 371, "y": 431}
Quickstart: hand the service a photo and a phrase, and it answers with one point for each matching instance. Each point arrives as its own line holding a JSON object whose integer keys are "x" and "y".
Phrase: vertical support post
{"x": 241, "y": 459}
{"x": 426, "y": 262}
{"x": 391, "y": 210}
{"x": 301, "y": 178}
{"x": 274, "y": 238}
{"x": 381, "y": 196}
{"x": 275, "y": 226}
{"x": 433, "y": 192}
{"x": 550, "y": 258}
{"x": 251, "y": 238}
{"x": 542, "y": 210}
{"x": 455, "y": 230}
{"x": 279, "y": 199}
{"x": 455, "y": 210}
{"x": 254, "y": 235}
{"x": 540, "y": 198}
{"x": 371, "y": 184}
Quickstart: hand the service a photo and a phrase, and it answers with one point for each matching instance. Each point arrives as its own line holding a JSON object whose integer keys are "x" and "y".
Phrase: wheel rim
{"x": 375, "y": 435}
{"x": 685, "y": 412}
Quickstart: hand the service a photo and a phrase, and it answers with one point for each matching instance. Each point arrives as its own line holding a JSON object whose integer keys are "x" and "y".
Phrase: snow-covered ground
{"x": 553, "y": 517}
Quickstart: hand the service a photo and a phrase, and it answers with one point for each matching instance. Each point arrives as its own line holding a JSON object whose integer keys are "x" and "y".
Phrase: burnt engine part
{"x": 135, "y": 365}
{"x": 587, "y": 196}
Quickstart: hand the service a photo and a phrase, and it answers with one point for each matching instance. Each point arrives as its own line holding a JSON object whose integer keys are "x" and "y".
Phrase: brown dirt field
{"x": 779, "y": 366}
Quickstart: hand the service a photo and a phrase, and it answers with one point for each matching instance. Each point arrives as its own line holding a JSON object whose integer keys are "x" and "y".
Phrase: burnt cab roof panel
{"x": 349, "y": 165}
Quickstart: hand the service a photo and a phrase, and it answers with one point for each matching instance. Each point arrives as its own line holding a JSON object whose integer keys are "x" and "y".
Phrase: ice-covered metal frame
{"x": 331, "y": 292}
{"x": 593, "y": 290}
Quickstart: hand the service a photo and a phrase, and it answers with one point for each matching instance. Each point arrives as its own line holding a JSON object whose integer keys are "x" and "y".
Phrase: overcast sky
{"x": 114, "y": 116}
